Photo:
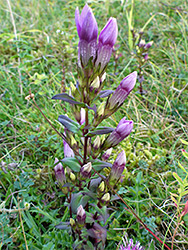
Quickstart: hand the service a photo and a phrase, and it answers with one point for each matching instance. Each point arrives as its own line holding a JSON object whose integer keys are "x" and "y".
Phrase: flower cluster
{"x": 141, "y": 53}
{"x": 88, "y": 48}
{"x": 130, "y": 246}
{"x": 87, "y": 147}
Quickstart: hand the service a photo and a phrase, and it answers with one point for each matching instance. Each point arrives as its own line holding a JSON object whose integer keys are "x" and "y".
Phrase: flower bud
{"x": 87, "y": 31}
{"x": 101, "y": 109}
{"x": 68, "y": 152}
{"x": 123, "y": 129}
{"x": 141, "y": 43}
{"x": 72, "y": 141}
{"x": 107, "y": 39}
{"x": 86, "y": 170}
{"x": 148, "y": 45}
{"x": 103, "y": 77}
{"x": 107, "y": 154}
{"x": 122, "y": 91}
{"x": 146, "y": 57}
{"x": 73, "y": 88}
{"x": 96, "y": 143}
{"x": 59, "y": 172}
{"x": 104, "y": 199}
{"x": 96, "y": 83}
{"x": 72, "y": 177}
{"x": 81, "y": 215}
{"x": 101, "y": 186}
{"x": 72, "y": 222}
{"x": 82, "y": 116}
{"x": 118, "y": 167}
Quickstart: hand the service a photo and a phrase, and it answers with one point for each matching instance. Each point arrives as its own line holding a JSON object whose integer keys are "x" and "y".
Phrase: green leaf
{"x": 63, "y": 226}
{"x": 101, "y": 131}
{"x": 72, "y": 163}
{"x": 184, "y": 142}
{"x": 185, "y": 193}
{"x": 67, "y": 98}
{"x": 48, "y": 246}
{"x": 182, "y": 167}
{"x": 68, "y": 123}
{"x": 44, "y": 213}
{"x": 28, "y": 219}
{"x": 76, "y": 201}
{"x": 99, "y": 165}
{"x": 176, "y": 176}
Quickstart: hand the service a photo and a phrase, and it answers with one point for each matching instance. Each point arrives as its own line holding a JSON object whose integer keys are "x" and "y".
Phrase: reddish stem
{"x": 130, "y": 209}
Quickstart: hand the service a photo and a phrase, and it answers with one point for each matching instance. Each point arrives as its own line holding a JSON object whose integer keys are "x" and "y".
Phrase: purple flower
{"x": 141, "y": 44}
{"x": 68, "y": 152}
{"x": 87, "y": 31}
{"x": 59, "y": 172}
{"x": 131, "y": 246}
{"x": 118, "y": 166}
{"x": 81, "y": 215}
{"x": 106, "y": 154}
{"x": 86, "y": 170}
{"x": 107, "y": 39}
{"x": 148, "y": 45}
{"x": 123, "y": 129}
{"x": 123, "y": 90}
{"x": 146, "y": 57}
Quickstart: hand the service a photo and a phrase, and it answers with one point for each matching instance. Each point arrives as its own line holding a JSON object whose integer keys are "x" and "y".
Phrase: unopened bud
{"x": 72, "y": 177}
{"x": 101, "y": 109}
{"x": 107, "y": 154}
{"x": 123, "y": 129}
{"x": 59, "y": 172}
{"x": 122, "y": 91}
{"x": 96, "y": 143}
{"x": 68, "y": 152}
{"x": 101, "y": 186}
{"x": 106, "y": 197}
{"x": 148, "y": 45}
{"x": 142, "y": 43}
{"x": 96, "y": 83}
{"x": 103, "y": 77}
{"x": 82, "y": 116}
{"x": 73, "y": 141}
{"x": 81, "y": 215}
{"x": 86, "y": 170}
{"x": 146, "y": 57}
{"x": 72, "y": 222}
{"x": 73, "y": 88}
{"x": 118, "y": 167}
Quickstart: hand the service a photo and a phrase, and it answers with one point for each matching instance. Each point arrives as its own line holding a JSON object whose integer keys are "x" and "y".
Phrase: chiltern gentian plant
{"x": 87, "y": 147}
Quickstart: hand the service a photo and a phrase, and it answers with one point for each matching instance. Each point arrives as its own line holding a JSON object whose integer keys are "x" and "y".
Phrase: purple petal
{"x": 123, "y": 90}
{"x": 109, "y": 33}
{"x": 77, "y": 21}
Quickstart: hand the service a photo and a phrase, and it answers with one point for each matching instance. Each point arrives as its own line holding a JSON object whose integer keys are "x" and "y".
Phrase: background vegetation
{"x": 38, "y": 47}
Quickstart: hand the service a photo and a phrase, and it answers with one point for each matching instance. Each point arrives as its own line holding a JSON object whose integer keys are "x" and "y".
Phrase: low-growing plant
{"x": 87, "y": 180}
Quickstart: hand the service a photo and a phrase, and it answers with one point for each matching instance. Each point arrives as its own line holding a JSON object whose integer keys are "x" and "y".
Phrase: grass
{"x": 42, "y": 57}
